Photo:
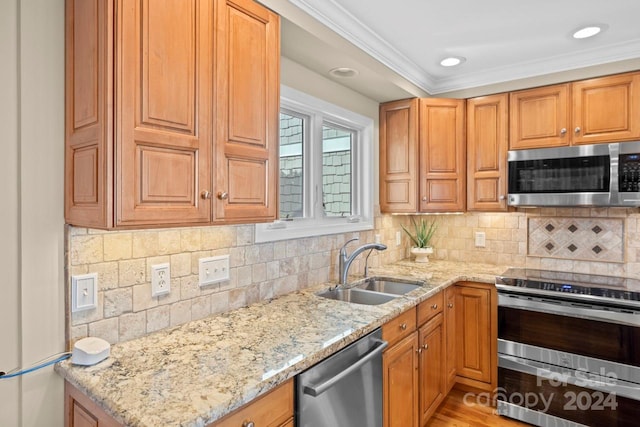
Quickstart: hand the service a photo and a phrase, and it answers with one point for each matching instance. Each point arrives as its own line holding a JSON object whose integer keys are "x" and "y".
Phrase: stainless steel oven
{"x": 568, "y": 348}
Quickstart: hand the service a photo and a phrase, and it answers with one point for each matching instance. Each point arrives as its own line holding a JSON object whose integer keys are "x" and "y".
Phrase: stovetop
{"x": 561, "y": 284}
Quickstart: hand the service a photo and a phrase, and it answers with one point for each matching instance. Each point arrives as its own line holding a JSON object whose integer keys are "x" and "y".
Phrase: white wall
{"x": 31, "y": 218}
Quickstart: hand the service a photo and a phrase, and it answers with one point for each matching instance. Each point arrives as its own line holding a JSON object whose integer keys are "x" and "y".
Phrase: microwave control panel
{"x": 629, "y": 173}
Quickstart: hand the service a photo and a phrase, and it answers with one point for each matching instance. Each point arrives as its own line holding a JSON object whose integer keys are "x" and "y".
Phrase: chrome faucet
{"x": 344, "y": 261}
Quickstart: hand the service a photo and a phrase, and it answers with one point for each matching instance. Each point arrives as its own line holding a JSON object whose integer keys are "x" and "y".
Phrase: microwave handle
{"x": 540, "y": 370}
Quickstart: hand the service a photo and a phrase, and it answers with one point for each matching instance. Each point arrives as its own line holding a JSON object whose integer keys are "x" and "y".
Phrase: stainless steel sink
{"x": 357, "y": 296}
{"x": 389, "y": 286}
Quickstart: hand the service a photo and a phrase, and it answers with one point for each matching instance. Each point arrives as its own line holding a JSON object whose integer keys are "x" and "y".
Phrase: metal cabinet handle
{"x": 248, "y": 424}
{"x": 563, "y": 131}
{"x": 578, "y": 129}
{"x": 223, "y": 195}
{"x": 206, "y": 194}
{"x": 434, "y": 306}
{"x": 403, "y": 326}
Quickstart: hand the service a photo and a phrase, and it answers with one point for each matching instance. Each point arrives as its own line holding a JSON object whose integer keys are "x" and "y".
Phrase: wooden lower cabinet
{"x": 274, "y": 409}
{"x": 451, "y": 337}
{"x": 476, "y": 331}
{"x": 400, "y": 383}
{"x": 432, "y": 363}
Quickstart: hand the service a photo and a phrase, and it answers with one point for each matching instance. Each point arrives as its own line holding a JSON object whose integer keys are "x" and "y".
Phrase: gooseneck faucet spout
{"x": 344, "y": 261}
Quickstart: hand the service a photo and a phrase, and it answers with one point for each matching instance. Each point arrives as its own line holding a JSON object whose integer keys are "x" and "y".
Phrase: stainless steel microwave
{"x": 585, "y": 175}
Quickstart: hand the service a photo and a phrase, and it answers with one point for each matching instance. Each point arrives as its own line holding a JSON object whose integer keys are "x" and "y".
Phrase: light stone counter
{"x": 194, "y": 374}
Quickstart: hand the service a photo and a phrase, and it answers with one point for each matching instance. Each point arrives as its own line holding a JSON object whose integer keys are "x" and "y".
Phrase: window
{"x": 326, "y": 174}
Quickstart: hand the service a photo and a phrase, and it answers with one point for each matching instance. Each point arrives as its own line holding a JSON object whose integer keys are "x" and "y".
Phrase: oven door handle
{"x": 316, "y": 390}
{"x": 568, "y": 310}
{"x": 535, "y": 369}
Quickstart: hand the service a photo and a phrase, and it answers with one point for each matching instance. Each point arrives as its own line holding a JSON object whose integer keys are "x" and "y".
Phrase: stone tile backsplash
{"x": 123, "y": 261}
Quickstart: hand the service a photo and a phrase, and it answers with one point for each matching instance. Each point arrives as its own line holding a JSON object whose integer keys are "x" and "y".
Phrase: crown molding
{"x": 338, "y": 19}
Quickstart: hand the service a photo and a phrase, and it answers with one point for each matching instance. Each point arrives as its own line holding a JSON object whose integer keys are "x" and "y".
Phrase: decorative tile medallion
{"x": 590, "y": 239}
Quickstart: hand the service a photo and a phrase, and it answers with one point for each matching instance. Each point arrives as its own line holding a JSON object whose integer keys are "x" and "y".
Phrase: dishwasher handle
{"x": 316, "y": 390}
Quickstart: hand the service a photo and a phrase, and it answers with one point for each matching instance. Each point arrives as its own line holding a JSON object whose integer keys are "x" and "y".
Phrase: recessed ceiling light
{"x": 343, "y": 72}
{"x": 587, "y": 32}
{"x": 452, "y": 61}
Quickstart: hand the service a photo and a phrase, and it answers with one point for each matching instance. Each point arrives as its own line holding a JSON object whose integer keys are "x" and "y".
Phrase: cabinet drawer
{"x": 430, "y": 307}
{"x": 274, "y": 409}
{"x": 400, "y": 327}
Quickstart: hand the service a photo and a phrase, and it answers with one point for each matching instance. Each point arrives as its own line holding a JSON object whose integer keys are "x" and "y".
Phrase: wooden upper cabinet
{"x": 163, "y": 122}
{"x": 88, "y": 118}
{"x": 442, "y": 186}
{"x": 487, "y": 146}
{"x": 247, "y": 100}
{"x": 606, "y": 109}
{"x": 399, "y": 156}
{"x": 540, "y": 117}
{"x": 169, "y": 104}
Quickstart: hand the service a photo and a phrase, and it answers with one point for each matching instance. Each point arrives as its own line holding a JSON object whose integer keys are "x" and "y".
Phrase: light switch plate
{"x": 480, "y": 239}
{"x": 213, "y": 269}
{"x": 84, "y": 292}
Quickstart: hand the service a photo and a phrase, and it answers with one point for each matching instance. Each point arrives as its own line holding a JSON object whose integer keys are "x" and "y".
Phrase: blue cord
{"x": 64, "y": 356}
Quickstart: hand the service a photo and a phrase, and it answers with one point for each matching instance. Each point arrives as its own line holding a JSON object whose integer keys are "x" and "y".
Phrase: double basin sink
{"x": 372, "y": 291}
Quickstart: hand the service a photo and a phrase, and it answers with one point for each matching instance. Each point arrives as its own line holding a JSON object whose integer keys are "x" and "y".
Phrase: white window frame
{"x": 318, "y": 112}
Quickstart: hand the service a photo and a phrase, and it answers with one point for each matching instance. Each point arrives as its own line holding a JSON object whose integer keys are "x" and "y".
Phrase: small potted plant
{"x": 421, "y": 235}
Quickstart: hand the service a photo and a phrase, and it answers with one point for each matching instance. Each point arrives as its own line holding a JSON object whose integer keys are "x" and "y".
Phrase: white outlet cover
{"x": 480, "y": 239}
{"x": 160, "y": 279}
{"x": 84, "y": 292}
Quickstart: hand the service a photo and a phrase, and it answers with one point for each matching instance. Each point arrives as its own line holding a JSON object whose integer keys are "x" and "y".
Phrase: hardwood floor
{"x": 456, "y": 411}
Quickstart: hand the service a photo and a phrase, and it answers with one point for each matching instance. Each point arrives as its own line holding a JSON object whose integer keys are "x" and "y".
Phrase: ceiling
{"x": 397, "y": 46}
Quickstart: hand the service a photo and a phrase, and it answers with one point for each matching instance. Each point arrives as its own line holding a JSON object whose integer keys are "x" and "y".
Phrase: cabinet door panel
{"x": 399, "y": 156}
{"x": 165, "y": 104}
{"x": 88, "y": 116}
{"x": 606, "y": 109}
{"x": 450, "y": 336}
{"x": 487, "y": 145}
{"x": 400, "y": 382}
{"x": 538, "y": 117}
{"x": 247, "y": 103}
{"x": 442, "y": 155}
{"x": 473, "y": 323}
{"x": 432, "y": 367}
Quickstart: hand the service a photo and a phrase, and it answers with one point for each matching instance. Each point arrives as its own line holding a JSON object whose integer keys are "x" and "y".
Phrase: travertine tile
{"x": 258, "y": 273}
{"x": 142, "y": 299}
{"x": 219, "y": 302}
{"x": 237, "y": 298}
{"x": 181, "y": 265}
{"x": 189, "y": 287}
{"x": 86, "y": 249}
{"x": 243, "y": 275}
{"x": 78, "y": 332}
{"x": 201, "y": 307}
{"x": 190, "y": 239}
{"x": 132, "y": 325}
{"x": 118, "y": 301}
{"x": 92, "y": 315}
{"x": 107, "y": 274}
{"x": 158, "y": 318}
{"x": 132, "y": 272}
{"x": 218, "y": 237}
{"x": 180, "y": 312}
{"x": 106, "y": 329}
{"x": 145, "y": 244}
{"x": 169, "y": 242}
{"x": 118, "y": 246}
{"x": 244, "y": 235}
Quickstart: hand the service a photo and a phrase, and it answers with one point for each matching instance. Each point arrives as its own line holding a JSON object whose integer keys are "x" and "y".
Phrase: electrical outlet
{"x": 213, "y": 270}
{"x": 398, "y": 238}
{"x": 480, "y": 239}
{"x": 377, "y": 239}
{"x": 84, "y": 292}
{"x": 160, "y": 279}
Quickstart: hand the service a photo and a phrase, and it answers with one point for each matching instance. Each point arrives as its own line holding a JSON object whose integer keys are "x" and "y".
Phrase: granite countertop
{"x": 196, "y": 373}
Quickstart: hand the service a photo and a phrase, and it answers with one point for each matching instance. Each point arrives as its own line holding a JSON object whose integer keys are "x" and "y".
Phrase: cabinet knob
{"x": 578, "y": 129}
{"x": 434, "y": 306}
{"x": 403, "y": 326}
{"x": 450, "y": 305}
{"x": 223, "y": 195}
{"x": 563, "y": 131}
{"x": 205, "y": 194}
{"x": 419, "y": 350}
{"x": 424, "y": 198}
{"x": 248, "y": 424}
{"x": 425, "y": 347}
{"x": 501, "y": 197}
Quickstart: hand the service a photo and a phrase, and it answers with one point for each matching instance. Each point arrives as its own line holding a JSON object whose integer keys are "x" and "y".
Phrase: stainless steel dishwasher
{"x": 344, "y": 390}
